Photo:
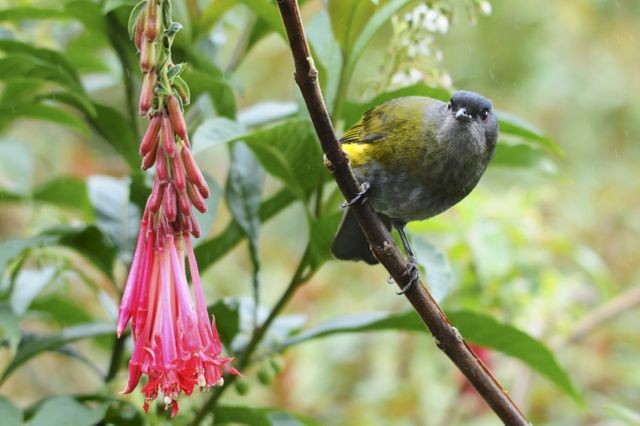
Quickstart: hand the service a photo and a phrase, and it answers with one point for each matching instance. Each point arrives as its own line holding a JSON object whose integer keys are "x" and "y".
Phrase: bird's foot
{"x": 414, "y": 275}
{"x": 360, "y": 198}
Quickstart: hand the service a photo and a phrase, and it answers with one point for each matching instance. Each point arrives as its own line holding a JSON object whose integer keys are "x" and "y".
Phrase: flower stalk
{"x": 175, "y": 345}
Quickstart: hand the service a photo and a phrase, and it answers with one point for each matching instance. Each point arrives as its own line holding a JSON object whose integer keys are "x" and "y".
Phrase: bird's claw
{"x": 360, "y": 198}
{"x": 414, "y": 276}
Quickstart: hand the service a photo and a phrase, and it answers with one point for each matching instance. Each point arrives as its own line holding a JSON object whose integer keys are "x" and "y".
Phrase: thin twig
{"x": 447, "y": 337}
{"x": 613, "y": 308}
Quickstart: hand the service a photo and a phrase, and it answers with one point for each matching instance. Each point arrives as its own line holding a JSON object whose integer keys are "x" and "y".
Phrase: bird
{"x": 414, "y": 157}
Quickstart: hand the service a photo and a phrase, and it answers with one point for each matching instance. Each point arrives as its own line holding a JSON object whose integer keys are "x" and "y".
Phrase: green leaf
{"x": 211, "y": 14}
{"x": 227, "y": 317}
{"x": 115, "y": 215}
{"x": 11, "y": 249}
{"x": 515, "y": 126}
{"x": 439, "y": 275}
{"x": 352, "y": 112}
{"x": 208, "y": 252}
{"x": 348, "y": 17}
{"x": 9, "y": 328}
{"x": 267, "y": 112}
{"x": 65, "y": 410}
{"x": 28, "y": 285}
{"x": 522, "y": 156}
{"x": 29, "y": 348}
{"x": 60, "y": 309}
{"x": 215, "y": 131}
{"x": 91, "y": 243}
{"x": 243, "y": 194}
{"x": 268, "y": 11}
{"x": 216, "y": 87}
{"x": 321, "y": 235}
{"x": 207, "y": 219}
{"x": 16, "y": 167}
{"x": 476, "y": 328}
{"x": 109, "y": 5}
{"x": 118, "y": 132}
{"x": 290, "y": 152}
{"x": 9, "y": 413}
{"x": 42, "y": 112}
{"x": 65, "y": 192}
{"x": 327, "y": 51}
{"x": 259, "y": 417}
{"x": 381, "y": 17}
{"x": 17, "y": 14}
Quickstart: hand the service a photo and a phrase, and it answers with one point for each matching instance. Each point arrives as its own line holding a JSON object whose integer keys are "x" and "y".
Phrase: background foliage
{"x": 523, "y": 266}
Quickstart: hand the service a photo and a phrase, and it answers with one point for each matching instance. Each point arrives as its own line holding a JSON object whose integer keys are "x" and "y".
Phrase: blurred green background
{"x": 542, "y": 247}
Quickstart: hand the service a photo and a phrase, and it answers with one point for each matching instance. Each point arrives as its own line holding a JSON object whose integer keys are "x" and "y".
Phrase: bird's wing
{"x": 369, "y": 129}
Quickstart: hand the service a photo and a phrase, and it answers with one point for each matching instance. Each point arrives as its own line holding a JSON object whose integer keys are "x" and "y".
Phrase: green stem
{"x": 258, "y": 334}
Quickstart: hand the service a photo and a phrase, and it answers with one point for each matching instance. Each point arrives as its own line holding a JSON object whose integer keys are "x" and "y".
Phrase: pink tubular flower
{"x": 174, "y": 344}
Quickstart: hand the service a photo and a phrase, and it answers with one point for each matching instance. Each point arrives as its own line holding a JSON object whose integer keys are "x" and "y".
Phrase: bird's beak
{"x": 462, "y": 115}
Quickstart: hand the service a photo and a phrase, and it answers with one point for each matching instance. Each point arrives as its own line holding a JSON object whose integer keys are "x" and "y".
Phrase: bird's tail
{"x": 350, "y": 242}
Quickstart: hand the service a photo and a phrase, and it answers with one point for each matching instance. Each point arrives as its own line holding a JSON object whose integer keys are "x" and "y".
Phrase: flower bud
{"x": 195, "y": 227}
{"x": 193, "y": 173}
{"x": 169, "y": 202}
{"x": 177, "y": 118}
{"x": 162, "y": 172}
{"x": 147, "y": 92}
{"x": 147, "y": 54}
{"x": 168, "y": 138}
{"x": 184, "y": 204}
{"x": 179, "y": 175}
{"x": 196, "y": 199}
{"x": 152, "y": 21}
{"x": 138, "y": 31}
{"x": 155, "y": 199}
{"x": 150, "y": 138}
{"x": 149, "y": 158}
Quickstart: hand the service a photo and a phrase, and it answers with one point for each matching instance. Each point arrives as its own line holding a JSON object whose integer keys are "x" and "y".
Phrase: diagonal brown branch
{"x": 447, "y": 337}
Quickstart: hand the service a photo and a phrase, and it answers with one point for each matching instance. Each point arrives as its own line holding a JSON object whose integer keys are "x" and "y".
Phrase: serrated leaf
{"x": 65, "y": 410}
{"x": 36, "y": 345}
{"x": 476, "y": 328}
{"x": 439, "y": 276}
{"x": 9, "y": 413}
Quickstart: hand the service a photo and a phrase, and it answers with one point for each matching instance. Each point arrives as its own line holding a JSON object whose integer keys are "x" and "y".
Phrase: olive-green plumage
{"x": 419, "y": 156}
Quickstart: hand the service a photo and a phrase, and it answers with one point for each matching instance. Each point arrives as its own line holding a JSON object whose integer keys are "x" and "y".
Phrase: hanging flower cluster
{"x": 175, "y": 345}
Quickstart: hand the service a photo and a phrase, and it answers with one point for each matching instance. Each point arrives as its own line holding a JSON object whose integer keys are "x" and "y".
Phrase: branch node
{"x": 327, "y": 163}
{"x": 313, "y": 72}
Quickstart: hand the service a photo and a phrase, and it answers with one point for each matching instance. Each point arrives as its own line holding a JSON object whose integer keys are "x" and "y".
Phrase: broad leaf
{"x": 515, "y": 126}
{"x": 65, "y": 410}
{"x": 115, "y": 215}
{"x": 321, "y": 235}
{"x": 28, "y": 285}
{"x": 259, "y": 417}
{"x": 227, "y": 318}
{"x": 215, "y": 131}
{"x": 522, "y": 156}
{"x": 208, "y": 252}
{"x": 216, "y": 87}
{"x": 9, "y": 413}
{"x": 42, "y": 112}
{"x": 9, "y": 328}
{"x": 60, "y": 309}
{"x": 267, "y": 11}
{"x": 476, "y": 328}
{"x": 34, "y": 346}
{"x": 439, "y": 276}
{"x": 66, "y": 192}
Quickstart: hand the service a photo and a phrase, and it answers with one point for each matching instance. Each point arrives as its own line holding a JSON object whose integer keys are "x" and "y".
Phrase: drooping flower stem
{"x": 175, "y": 345}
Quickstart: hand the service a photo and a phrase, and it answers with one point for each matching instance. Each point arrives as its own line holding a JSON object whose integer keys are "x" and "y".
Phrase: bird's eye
{"x": 449, "y": 106}
{"x": 484, "y": 114}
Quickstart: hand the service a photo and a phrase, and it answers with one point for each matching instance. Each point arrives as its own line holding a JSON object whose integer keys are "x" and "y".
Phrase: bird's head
{"x": 474, "y": 113}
